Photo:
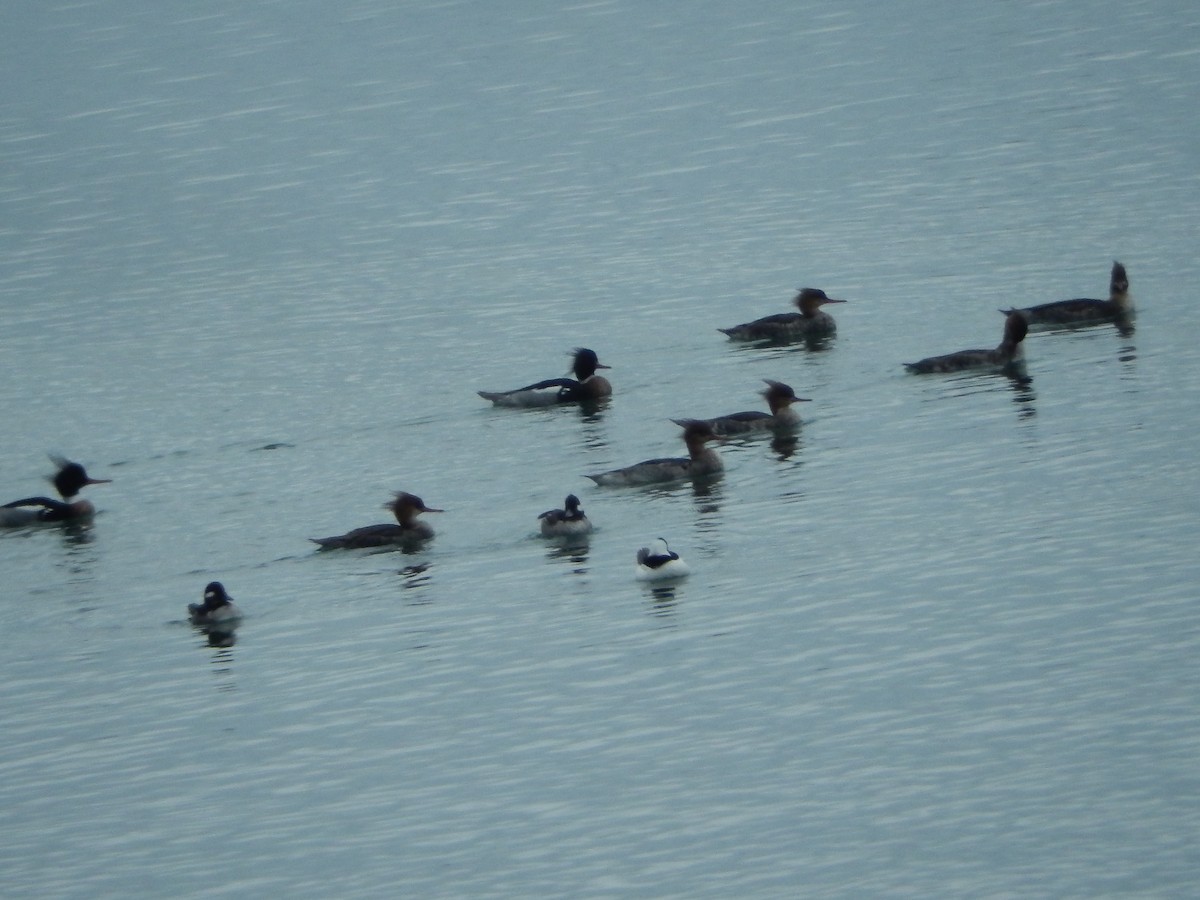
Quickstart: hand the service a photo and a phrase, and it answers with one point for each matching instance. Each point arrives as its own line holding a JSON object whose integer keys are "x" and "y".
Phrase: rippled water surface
{"x": 256, "y": 261}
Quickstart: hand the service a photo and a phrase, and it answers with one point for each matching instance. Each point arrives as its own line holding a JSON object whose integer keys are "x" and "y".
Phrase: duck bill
{"x": 98, "y": 481}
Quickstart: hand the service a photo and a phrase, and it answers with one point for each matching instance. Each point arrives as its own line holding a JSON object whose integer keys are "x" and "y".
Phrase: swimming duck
{"x": 570, "y": 521}
{"x": 780, "y": 398}
{"x": 408, "y": 530}
{"x": 659, "y": 562}
{"x": 1011, "y": 352}
{"x": 218, "y": 608}
{"x": 585, "y": 387}
{"x": 70, "y": 478}
{"x": 811, "y": 321}
{"x": 700, "y": 461}
{"x": 1117, "y": 308}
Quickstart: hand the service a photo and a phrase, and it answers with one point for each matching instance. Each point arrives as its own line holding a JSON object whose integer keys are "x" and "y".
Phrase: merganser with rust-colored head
{"x": 700, "y": 461}
{"x": 70, "y": 478}
{"x": 586, "y": 387}
{"x": 570, "y": 521}
{"x": 1118, "y": 308}
{"x": 811, "y": 321}
{"x": 408, "y": 530}
{"x": 1011, "y": 352}
{"x": 780, "y": 398}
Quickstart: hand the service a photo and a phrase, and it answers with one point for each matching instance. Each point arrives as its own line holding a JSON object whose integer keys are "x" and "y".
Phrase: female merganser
{"x": 570, "y": 521}
{"x": 811, "y": 321}
{"x": 217, "y": 609}
{"x": 1061, "y": 313}
{"x": 659, "y": 562}
{"x": 780, "y": 398}
{"x": 406, "y": 507}
{"x": 585, "y": 387}
{"x": 1011, "y": 352}
{"x": 68, "y": 480}
{"x": 700, "y": 461}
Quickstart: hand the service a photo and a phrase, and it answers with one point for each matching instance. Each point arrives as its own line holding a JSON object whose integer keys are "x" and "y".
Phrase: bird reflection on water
{"x": 572, "y": 551}
{"x": 663, "y": 599}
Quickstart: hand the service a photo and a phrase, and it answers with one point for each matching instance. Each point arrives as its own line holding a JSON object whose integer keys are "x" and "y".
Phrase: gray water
{"x": 255, "y": 261}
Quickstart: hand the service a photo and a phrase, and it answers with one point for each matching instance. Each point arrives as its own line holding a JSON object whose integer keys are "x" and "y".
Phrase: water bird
{"x": 586, "y": 387}
{"x": 659, "y": 562}
{"x": 780, "y": 398}
{"x": 70, "y": 478}
{"x": 700, "y": 461}
{"x": 1118, "y": 308}
{"x": 218, "y": 608}
{"x": 570, "y": 521}
{"x": 408, "y": 529}
{"x": 1010, "y": 352}
{"x": 811, "y": 321}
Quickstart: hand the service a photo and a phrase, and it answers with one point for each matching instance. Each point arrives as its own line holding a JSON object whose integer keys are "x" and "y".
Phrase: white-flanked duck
{"x": 586, "y": 387}
{"x": 701, "y": 460}
{"x": 1011, "y": 352}
{"x": 70, "y": 478}
{"x": 570, "y": 521}
{"x": 658, "y": 562}
{"x": 780, "y": 398}
{"x": 218, "y": 609}
{"x": 811, "y": 321}
{"x": 407, "y": 530}
{"x": 1118, "y": 308}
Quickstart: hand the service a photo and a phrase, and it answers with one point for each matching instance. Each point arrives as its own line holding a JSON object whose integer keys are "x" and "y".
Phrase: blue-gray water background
{"x": 256, "y": 259}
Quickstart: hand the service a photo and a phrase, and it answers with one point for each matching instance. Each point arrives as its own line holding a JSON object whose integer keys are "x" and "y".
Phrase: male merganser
{"x": 1117, "y": 308}
{"x": 1011, "y": 352}
{"x": 70, "y": 478}
{"x": 700, "y": 461}
{"x": 585, "y": 387}
{"x": 218, "y": 608}
{"x": 811, "y": 321}
{"x": 570, "y": 521}
{"x": 406, "y": 508}
{"x": 659, "y": 562}
{"x": 780, "y": 398}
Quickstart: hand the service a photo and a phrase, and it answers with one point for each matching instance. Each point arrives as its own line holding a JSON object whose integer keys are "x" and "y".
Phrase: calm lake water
{"x": 258, "y": 258}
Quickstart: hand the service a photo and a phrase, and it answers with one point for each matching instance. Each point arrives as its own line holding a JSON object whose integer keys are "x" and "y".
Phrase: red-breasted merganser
{"x": 406, "y": 507}
{"x": 570, "y": 521}
{"x": 1117, "y": 308}
{"x": 585, "y": 387}
{"x": 701, "y": 460}
{"x": 1010, "y": 352}
{"x": 70, "y": 478}
{"x": 659, "y": 562}
{"x": 217, "y": 610}
{"x": 780, "y": 398}
{"x": 811, "y": 321}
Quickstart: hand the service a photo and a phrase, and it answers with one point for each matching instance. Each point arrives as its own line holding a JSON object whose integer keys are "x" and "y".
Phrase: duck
{"x": 586, "y": 387}
{"x": 1118, "y": 308}
{"x": 1010, "y": 352}
{"x": 218, "y": 608}
{"x": 659, "y": 562}
{"x": 700, "y": 461}
{"x": 70, "y": 478}
{"x": 570, "y": 521}
{"x": 407, "y": 530}
{"x": 811, "y": 321}
{"x": 780, "y": 398}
